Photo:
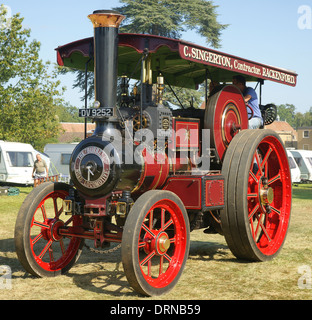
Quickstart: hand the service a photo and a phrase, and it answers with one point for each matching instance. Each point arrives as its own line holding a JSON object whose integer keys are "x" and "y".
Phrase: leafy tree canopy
{"x": 29, "y": 91}
{"x": 287, "y": 112}
{"x": 170, "y": 18}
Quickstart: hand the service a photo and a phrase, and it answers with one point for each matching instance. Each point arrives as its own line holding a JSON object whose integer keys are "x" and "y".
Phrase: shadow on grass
{"x": 7, "y": 248}
{"x": 104, "y": 281}
{"x": 206, "y": 251}
{"x": 103, "y": 274}
{"x": 302, "y": 192}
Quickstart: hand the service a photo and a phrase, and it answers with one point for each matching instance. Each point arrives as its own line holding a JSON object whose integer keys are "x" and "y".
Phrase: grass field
{"x": 211, "y": 272}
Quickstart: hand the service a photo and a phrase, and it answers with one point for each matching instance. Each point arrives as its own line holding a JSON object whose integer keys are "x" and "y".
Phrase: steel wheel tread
{"x": 27, "y": 245}
{"x": 140, "y": 250}
{"x": 239, "y": 204}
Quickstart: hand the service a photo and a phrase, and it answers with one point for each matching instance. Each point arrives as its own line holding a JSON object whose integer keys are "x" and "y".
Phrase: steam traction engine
{"x": 149, "y": 174}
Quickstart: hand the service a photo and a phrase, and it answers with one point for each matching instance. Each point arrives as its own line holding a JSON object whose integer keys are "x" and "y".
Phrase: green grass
{"x": 211, "y": 272}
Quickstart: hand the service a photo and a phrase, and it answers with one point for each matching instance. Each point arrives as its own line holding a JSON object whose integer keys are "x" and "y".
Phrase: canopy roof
{"x": 182, "y": 63}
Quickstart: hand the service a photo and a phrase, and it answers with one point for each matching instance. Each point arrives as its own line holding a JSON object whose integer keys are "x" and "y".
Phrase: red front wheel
{"x": 155, "y": 242}
{"x": 41, "y": 249}
{"x": 258, "y": 195}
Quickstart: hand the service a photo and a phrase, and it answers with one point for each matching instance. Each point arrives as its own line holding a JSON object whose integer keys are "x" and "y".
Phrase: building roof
{"x": 282, "y": 127}
{"x": 74, "y": 131}
{"x": 76, "y": 127}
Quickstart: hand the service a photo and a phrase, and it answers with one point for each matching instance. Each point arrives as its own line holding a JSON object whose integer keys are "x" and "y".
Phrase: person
{"x": 213, "y": 85}
{"x": 251, "y": 99}
{"x": 40, "y": 169}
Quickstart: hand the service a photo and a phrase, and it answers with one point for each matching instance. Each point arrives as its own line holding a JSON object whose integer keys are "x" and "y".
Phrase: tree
{"x": 303, "y": 120}
{"x": 68, "y": 113}
{"x": 29, "y": 91}
{"x": 287, "y": 112}
{"x": 169, "y": 18}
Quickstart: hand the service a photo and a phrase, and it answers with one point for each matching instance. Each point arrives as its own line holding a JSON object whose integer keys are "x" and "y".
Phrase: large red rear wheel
{"x": 258, "y": 195}
{"x": 41, "y": 249}
{"x": 155, "y": 242}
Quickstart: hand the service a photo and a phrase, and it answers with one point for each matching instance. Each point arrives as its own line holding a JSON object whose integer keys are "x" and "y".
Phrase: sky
{"x": 272, "y": 32}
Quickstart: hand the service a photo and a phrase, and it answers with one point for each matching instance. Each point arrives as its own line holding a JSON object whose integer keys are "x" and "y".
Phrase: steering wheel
{"x": 250, "y": 112}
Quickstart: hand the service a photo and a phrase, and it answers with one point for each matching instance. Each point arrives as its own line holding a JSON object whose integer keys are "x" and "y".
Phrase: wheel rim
{"x": 162, "y": 243}
{"x": 230, "y": 124}
{"x": 269, "y": 196}
{"x": 225, "y": 116}
{"x": 51, "y": 251}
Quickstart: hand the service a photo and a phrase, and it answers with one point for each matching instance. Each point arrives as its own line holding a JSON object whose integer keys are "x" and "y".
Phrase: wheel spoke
{"x": 51, "y": 255}
{"x": 257, "y": 158}
{"x": 276, "y": 210}
{"x": 141, "y": 244}
{"x": 44, "y": 213}
{"x": 40, "y": 224}
{"x": 45, "y": 249}
{"x": 259, "y": 224}
{"x": 251, "y": 214}
{"x": 163, "y": 211}
{"x": 147, "y": 259}
{"x": 151, "y": 217}
{"x": 253, "y": 176}
{"x": 265, "y": 231}
{"x": 252, "y": 195}
{"x": 276, "y": 178}
{"x": 167, "y": 257}
{"x": 170, "y": 222}
{"x": 37, "y": 238}
{"x": 148, "y": 230}
{"x": 265, "y": 159}
{"x": 57, "y": 212}
{"x": 62, "y": 246}
{"x": 69, "y": 221}
{"x": 259, "y": 227}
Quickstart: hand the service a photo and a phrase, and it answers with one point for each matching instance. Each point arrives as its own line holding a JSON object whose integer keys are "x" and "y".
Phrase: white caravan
{"x": 60, "y": 154}
{"x": 295, "y": 171}
{"x": 16, "y": 162}
{"x": 304, "y": 161}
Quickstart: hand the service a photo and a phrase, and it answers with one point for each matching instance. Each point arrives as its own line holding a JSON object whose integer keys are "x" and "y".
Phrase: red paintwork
{"x": 197, "y": 192}
{"x": 48, "y": 248}
{"x": 160, "y": 267}
{"x": 214, "y": 193}
{"x": 187, "y": 51}
{"x": 154, "y": 172}
{"x": 188, "y": 189}
{"x": 185, "y": 134}
{"x": 225, "y": 116}
{"x": 271, "y": 160}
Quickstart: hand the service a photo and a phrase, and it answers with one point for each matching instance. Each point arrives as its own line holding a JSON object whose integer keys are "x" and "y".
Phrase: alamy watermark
{"x": 194, "y": 152}
{"x": 5, "y": 277}
{"x": 305, "y": 17}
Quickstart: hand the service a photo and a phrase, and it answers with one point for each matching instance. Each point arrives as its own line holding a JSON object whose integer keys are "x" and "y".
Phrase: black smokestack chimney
{"x": 106, "y": 24}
